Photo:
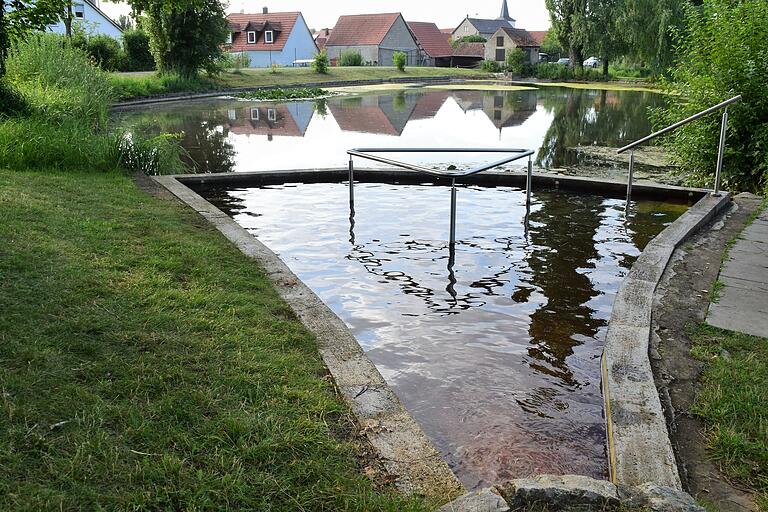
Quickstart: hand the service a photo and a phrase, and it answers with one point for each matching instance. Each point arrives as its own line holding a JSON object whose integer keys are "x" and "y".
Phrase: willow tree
{"x": 569, "y": 22}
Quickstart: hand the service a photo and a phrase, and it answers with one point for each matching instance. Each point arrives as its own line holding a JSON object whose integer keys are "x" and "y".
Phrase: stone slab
{"x": 484, "y": 500}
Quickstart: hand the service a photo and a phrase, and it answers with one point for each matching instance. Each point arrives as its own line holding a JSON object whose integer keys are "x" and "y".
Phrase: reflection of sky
{"x": 325, "y": 144}
{"x": 498, "y": 365}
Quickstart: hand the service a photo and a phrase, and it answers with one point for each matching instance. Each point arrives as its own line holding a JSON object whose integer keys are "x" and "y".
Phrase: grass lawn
{"x": 733, "y": 403}
{"x": 136, "y": 85}
{"x": 148, "y": 365}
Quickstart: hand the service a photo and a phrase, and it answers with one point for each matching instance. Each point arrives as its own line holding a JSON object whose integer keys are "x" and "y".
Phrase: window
{"x": 272, "y": 114}
{"x": 251, "y": 37}
{"x": 269, "y": 37}
{"x": 498, "y": 102}
{"x": 497, "y": 115}
{"x": 466, "y": 29}
{"x": 254, "y": 114}
{"x": 500, "y": 55}
{"x": 229, "y": 37}
{"x": 232, "y": 115}
{"x": 500, "y": 41}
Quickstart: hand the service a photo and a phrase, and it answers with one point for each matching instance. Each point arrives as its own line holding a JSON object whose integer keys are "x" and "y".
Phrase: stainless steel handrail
{"x": 366, "y": 153}
{"x": 675, "y": 126}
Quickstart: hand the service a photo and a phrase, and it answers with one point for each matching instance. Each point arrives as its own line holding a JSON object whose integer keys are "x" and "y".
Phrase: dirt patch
{"x": 684, "y": 298}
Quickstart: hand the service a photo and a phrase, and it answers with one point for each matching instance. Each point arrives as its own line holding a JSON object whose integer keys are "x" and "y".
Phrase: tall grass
{"x": 132, "y": 87}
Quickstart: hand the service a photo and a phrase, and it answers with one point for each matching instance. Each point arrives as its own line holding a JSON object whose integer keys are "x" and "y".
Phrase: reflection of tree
{"x": 589, "y": 117}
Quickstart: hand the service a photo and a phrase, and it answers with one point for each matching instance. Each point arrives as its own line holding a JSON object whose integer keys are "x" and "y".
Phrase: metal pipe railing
{"x": 675, "y": 126}
{"x": 367, "y": 153}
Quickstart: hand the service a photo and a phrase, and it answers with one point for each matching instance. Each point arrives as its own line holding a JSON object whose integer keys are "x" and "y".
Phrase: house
{"x": 435, "y": 48}
{"x": 281, "y": 38}
{"x": 88, "y": 15}
{"x": 484, "y": 28}
{"x": 322, "y": 37}
{"x": 272, "y": 120}
{"x": 375, "y": 36}
{"x": 468, "y": 55}
{"x": 508, "y": 38}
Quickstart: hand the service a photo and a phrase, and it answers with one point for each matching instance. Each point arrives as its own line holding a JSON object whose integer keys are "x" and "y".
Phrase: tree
{"x": 569, "y": 23}
{"x": 648, "y": 27}
{"x": 515, "y": 60}
{"x": 399, "y": 59}
{"x": 551, "y": 46}
{"x": 185, "y": 35}
{"x": 18, "y": 17}
{"x": 605, "y": 35}
{"x": 321, "y": 63}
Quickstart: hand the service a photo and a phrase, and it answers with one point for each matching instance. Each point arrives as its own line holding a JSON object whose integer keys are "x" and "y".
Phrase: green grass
{"x": 148, "y": 365}
{"x": 733, "y": 403}
{"x": 137, "y": 85}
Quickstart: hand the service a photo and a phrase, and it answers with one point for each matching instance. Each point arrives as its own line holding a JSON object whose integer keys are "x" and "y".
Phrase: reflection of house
{"x": 505, "y": 110}
{"x": 270, "y": 38}
{"x": 435, "y": 48}
{"x": 386, "y": 115}
{"x": 484, "y": 27}
{"x": 374, "y": 36}
{"x": 468, "y": 55}
{"x": 88, "y": 15}
{"x": 506, "y": 39}
{"x": 429, "y": 104}
{"x": 272, "y": 120}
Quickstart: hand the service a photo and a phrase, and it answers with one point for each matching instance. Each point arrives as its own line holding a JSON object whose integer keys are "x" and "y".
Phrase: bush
{"x": 723, "y": 53}
{"x": 105, "y": 52}
{"x": 351, "y": 58}
{"x": 515, "y": 61}
{"x": 490, "y": 66}
{"x": 399, "y": 59}
{"x": 137, "y": 54}
{"x": 468, "y": 39}
{"x": 321, "y": 62}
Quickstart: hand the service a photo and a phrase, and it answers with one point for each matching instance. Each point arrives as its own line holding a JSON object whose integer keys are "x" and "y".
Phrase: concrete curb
{"x": 167, "y": 98}
{"x": 639, "y": 448}
{"x": 403, "y": 448}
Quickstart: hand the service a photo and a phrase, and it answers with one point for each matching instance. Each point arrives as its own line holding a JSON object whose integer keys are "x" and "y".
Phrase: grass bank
{"x": 733, "y": 404}
{"x": 147, "y": 364}
{"x": 141, "y": 85}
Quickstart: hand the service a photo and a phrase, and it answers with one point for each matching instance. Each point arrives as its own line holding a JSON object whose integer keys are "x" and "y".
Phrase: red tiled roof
{"x": 281, "y": 22}
{"x": 470, "y": 50}
{"x": 538, "y": 35}
{"x": 521, "y": 37}
{"x": 431, "y": 39}
{"x": 361, "y": 29}
{"x": 430, "y": 104}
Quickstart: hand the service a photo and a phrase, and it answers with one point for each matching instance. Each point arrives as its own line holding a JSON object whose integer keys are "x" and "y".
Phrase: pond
{"x": 226, "y": 135}
{"x": 493, "y": 344}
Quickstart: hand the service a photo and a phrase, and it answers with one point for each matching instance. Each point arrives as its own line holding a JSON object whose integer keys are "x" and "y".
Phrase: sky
{"x": 529, "y": 14}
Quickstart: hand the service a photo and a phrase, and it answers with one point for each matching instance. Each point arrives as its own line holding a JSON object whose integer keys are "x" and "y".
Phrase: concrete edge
{"x": 167, "y": 98}
{"x": 404, "y": 449}
{"x": 638, "y": 443}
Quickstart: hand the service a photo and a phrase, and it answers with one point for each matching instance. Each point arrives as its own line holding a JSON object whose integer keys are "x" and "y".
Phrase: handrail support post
{"x": 721, "y": 152}
{"x": 528, "y": 182}
{"x": 453, "y": 212}
{"x": 351, "y": 183}
{"x": 631, "y": 176}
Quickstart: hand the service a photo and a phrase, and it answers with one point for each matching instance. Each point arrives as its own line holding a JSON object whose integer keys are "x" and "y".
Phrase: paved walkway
{"x": 743, "y": 304}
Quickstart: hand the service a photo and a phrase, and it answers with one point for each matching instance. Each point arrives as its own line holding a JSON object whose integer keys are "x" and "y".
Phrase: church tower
{"x": 504, "y": 12}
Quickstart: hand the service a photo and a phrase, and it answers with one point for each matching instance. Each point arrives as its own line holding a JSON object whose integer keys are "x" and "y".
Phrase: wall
{"x": 300, "y": 46}
{"x": 465, "y": 29}
{"x": 93, "y": 22}
{"x": 399, "y": 38}
{"x": 370, "y": 53}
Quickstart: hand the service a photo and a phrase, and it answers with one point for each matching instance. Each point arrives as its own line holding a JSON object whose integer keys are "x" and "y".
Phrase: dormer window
{"x": 269, "y": 37}
{"x": 252, "y": 37}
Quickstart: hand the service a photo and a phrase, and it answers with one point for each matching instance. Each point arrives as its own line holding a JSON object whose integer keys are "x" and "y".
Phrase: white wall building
{"x": 89, "y": 16}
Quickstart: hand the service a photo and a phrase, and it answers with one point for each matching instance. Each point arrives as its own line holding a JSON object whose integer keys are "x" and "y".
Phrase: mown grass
{"x": 733, "y": 403}
{"x": 139, "y": 85}
{"x": 148, "y": 365}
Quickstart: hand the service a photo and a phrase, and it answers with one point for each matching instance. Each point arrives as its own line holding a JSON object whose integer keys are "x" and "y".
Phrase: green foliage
{"x": 468, "y": 39}
{"x": 12, "y": 103}
{"x": 648, "y": 27}
{"x": 552, "y": 71}
{"x": 723, "y": 53}
{"x": 236, "y": 61}
{"x": 299, "y": 93}
{"x": 399, "y": 59}
{"x": 149, "y": 155}
{"x": 321, "y": 63}
{"x": 515, "y": 60}
{"x": 551, "y": 46}
{"x": 186, "y": 37}
{"x": 490, "y": 66}
{"x": 137, "y": 54}
{"x": 128, "y": 87}
{"x": 106, "y": 52}
{"x": 569, "y": 24}
{"x": 20, "y": 17}
{"x": 351, "y": 58}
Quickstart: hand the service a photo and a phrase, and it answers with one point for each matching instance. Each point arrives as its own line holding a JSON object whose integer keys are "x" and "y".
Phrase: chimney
{"x": 265, "y": 11}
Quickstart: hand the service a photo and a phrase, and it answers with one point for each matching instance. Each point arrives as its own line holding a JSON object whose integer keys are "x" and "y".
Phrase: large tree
{"x": 185, "y": 35}
{"x": 18, "y": 17}
{"x": 649, "y": 27}
{"x": 606, "y": 38}
{"x": 569, "y": 21}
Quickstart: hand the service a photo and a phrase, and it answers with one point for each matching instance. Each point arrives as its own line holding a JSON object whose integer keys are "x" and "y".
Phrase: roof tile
{"x": 361, "y": 29}
{"x": 431, "y": 39}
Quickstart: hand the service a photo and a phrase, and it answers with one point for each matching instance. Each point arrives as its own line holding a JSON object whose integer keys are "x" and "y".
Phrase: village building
{"x": 468, "y": 55}
{"x": 88, "y": 15}
{"x": 482, "y": 27}
{"x": 281, "y": 38}
{"x": 506, "y": 39}
{"x": 376, "y": 37}
{"x": 434, "y": 46}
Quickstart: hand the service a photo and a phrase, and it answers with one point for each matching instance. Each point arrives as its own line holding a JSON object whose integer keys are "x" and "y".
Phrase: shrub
{"x": 351, "y": 58}
{"x": 137, "y": 54}
{"x": 150, "y": 156}
{"x": 468, "y": 39}
{"x": 515, "y": 61}
{"x": 321, "y": 62}
{"x": 104, "y": 51}
{"x": 490, "y": 66}
{"x": 399, "y": 59}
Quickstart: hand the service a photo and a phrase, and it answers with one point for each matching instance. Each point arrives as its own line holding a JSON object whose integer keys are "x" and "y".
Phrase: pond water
{"x": 226, "y": 135}
{"x": 494, "y": 346}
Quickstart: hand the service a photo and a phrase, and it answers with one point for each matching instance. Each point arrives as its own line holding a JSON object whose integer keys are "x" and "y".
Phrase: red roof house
{"x": 435, "y": 47}
{"x": 376, "y": 37}
{"x": 270, "y": 38}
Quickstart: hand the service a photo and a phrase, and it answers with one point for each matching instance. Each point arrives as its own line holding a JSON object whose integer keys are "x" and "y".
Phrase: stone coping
{"x": 639, "y": 448}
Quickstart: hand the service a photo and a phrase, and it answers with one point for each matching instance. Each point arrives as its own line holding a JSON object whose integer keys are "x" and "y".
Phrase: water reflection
{"x": 225, "y": 135}
{"x": 492, "y": 343}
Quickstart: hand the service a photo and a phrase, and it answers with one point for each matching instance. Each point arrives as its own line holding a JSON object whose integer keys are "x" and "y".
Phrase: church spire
{"x": 504, "y": 11}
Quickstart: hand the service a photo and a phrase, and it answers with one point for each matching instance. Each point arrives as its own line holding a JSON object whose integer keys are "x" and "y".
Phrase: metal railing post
{"x": 721, "y": 152}
{"x": 631, "y": 175}
{"x": 453, "y": 212}
{"x": 351, "y": 183}
{"x": 528, "y": 182}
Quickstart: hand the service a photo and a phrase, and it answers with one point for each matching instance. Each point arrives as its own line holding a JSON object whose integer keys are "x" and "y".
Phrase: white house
{"x": 89, "y": 15}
